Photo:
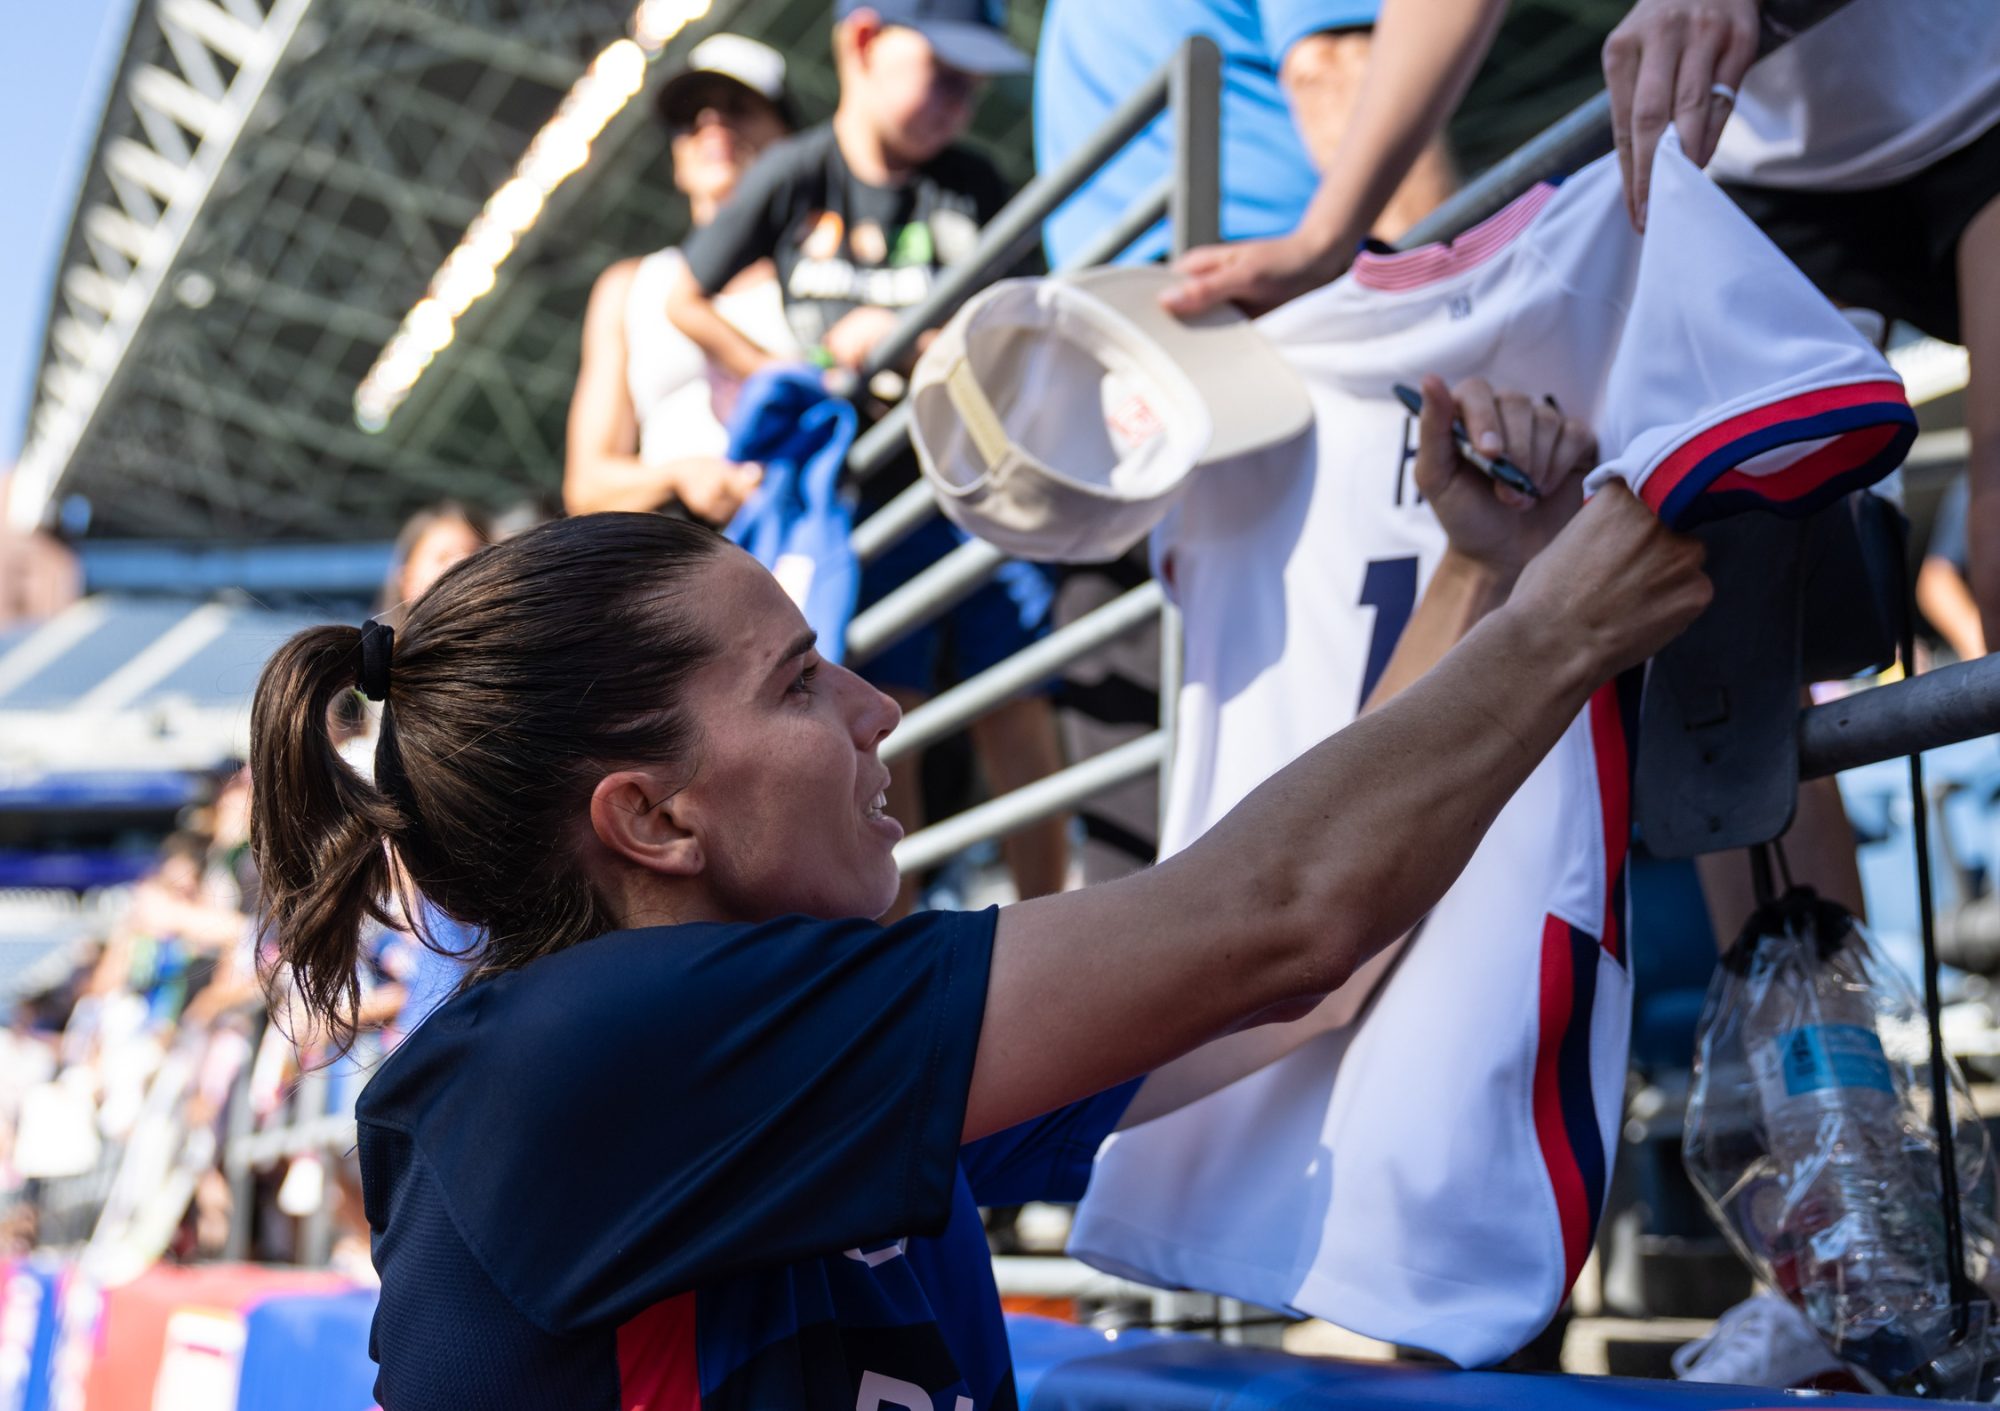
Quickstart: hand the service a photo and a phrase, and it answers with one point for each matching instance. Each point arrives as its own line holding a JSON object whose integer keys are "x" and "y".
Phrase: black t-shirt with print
{"x": 840, "y": 243}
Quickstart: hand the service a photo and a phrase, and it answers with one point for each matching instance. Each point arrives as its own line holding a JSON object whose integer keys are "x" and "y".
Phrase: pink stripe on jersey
{"x": 1427, "y": 264}
{"x": 656, "y": 1359}
{"x": 1847, "y": 451}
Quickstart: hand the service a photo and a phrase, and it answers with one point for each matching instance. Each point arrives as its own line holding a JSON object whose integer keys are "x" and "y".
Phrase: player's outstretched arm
{"x": 1338, "y": 854}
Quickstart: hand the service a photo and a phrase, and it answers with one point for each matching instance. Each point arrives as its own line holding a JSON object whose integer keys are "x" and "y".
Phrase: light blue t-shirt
{"x": 1094, "y": 53}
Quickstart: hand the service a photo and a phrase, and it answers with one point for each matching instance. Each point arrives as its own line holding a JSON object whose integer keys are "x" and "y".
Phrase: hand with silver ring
{"x": 1677, "y": 61}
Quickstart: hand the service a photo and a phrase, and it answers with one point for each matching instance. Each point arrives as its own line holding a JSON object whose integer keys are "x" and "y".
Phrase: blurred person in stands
{"x": 1867, "y": 148}
{"x": 1331, "y": 111}
{"x": 648, "y": 421}
{"x": 1944, "y": 581}
{"x": 612, "y": 745}
{"x": 430, "y": 541}
{"x": 860, "y": 214}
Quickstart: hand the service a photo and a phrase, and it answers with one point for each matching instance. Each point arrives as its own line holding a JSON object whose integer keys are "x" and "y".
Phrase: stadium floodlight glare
{"x": 560, "y": 150}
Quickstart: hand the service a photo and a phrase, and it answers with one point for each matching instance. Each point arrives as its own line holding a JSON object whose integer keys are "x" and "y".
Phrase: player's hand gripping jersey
{"x": 1433, "y": 1174}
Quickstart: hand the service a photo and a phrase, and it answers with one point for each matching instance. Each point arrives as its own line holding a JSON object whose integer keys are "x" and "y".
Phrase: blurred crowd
{"x": 169, "y": 1032}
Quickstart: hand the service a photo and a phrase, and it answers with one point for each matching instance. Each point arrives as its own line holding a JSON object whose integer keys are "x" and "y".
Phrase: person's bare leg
{"x": 906, "y": 800}
{"x": 1979, "y": 322}
{"x": 1016, "y": 745}
{"x": 1819, "y": 850}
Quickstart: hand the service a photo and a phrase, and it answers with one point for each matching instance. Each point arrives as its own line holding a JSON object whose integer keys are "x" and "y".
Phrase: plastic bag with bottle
{"x": 1810, "y": 1135}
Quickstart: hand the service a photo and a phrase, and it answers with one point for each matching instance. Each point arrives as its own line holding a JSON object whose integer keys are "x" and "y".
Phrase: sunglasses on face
{"x": 729, "y": 102}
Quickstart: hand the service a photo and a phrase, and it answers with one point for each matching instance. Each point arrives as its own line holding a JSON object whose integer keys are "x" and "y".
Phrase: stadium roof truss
{"x": 276, "y": 185}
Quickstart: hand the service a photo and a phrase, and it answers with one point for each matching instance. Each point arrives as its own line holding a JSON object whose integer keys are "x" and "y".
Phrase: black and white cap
{"x": 746, "y": 62}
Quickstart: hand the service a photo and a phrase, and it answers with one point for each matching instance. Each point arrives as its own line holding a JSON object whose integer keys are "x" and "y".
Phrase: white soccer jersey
{"x": 1433, "y": 1174}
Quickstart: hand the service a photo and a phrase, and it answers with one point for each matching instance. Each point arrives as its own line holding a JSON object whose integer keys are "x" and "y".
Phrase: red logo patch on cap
{"x": 1133, "y": 422}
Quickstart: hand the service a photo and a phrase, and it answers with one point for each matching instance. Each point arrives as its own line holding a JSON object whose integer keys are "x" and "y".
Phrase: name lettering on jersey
{"x": 873, "y": 1257}
{"x": 1408, "y": 455}
{"x": 879, "y": 1392}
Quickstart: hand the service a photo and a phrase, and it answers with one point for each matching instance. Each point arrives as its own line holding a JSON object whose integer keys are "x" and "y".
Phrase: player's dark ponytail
{"x": 319, "y": 828}
{"x": 528, "y": 672}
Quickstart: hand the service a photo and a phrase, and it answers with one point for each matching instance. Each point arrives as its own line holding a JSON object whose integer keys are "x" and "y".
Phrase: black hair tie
{"x": 378, "y": 640}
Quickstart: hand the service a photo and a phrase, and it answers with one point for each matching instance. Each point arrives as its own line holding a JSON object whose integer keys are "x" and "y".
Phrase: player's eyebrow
{"x": 798, "y": 647}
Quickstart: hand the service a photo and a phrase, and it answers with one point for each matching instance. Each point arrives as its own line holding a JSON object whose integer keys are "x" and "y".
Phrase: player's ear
{"x": 633, "y": 816}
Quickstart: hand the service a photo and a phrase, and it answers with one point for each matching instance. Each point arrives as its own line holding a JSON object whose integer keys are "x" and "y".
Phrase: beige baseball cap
{"x": 1060, "y": 418}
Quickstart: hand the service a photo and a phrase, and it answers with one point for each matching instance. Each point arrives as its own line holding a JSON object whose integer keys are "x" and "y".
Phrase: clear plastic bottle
{"x": 1860, "y": 1219}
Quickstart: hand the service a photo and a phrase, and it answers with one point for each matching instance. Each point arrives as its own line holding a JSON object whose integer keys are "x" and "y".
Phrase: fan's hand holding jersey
{"x": 1433, "y": 1173}
{"x": 700, "y": 1167}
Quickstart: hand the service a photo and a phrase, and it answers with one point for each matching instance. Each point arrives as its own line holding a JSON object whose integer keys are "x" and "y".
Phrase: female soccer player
{"x": 697, "y": 1132}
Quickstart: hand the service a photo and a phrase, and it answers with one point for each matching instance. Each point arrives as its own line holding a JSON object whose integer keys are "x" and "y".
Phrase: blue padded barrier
{"x": 308, "y": 1352}
{"x": 1059, "y": 1367}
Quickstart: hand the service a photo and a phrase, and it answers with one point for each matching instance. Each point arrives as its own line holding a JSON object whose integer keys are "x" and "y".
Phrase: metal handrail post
{"x": 901, "y": 516}
{"x": 1196, "y": 100}
{"x": 1944, "y": 706}
{"x": 1031, "y": 803}
{"x": 1197, "y": 221}
{"x": 930, "y": 595}
{"x": 970, "y": 699}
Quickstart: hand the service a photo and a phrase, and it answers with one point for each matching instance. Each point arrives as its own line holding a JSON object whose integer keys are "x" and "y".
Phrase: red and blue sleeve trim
{"x": 1870, "y": 425}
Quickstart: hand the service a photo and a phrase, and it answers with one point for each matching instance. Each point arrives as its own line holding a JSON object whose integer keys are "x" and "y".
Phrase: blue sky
{"x": 54, "y": 67}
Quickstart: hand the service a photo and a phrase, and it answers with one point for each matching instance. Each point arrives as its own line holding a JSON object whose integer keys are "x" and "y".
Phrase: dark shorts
{"x": 1893, "y": 249}
{"x": 1009, "y": 613}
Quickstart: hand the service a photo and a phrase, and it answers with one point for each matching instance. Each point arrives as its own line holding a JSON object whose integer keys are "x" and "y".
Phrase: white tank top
{"x": 682, "y": 403}
{"x": 1873, "y": 94}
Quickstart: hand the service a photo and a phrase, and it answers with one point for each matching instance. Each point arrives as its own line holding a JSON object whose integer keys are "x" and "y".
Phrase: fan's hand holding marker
{"x": 1496, "y": 468}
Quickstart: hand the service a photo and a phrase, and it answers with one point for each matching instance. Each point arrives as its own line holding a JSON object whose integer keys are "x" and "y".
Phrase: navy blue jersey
{"x": 704, "y": 1167}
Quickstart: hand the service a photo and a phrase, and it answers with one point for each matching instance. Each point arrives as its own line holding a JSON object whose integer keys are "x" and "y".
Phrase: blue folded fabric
{"x": 798, "y": 524}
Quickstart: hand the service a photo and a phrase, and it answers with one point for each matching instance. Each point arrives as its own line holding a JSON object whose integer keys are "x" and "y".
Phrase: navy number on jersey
{"x": 1390, "y": 587}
